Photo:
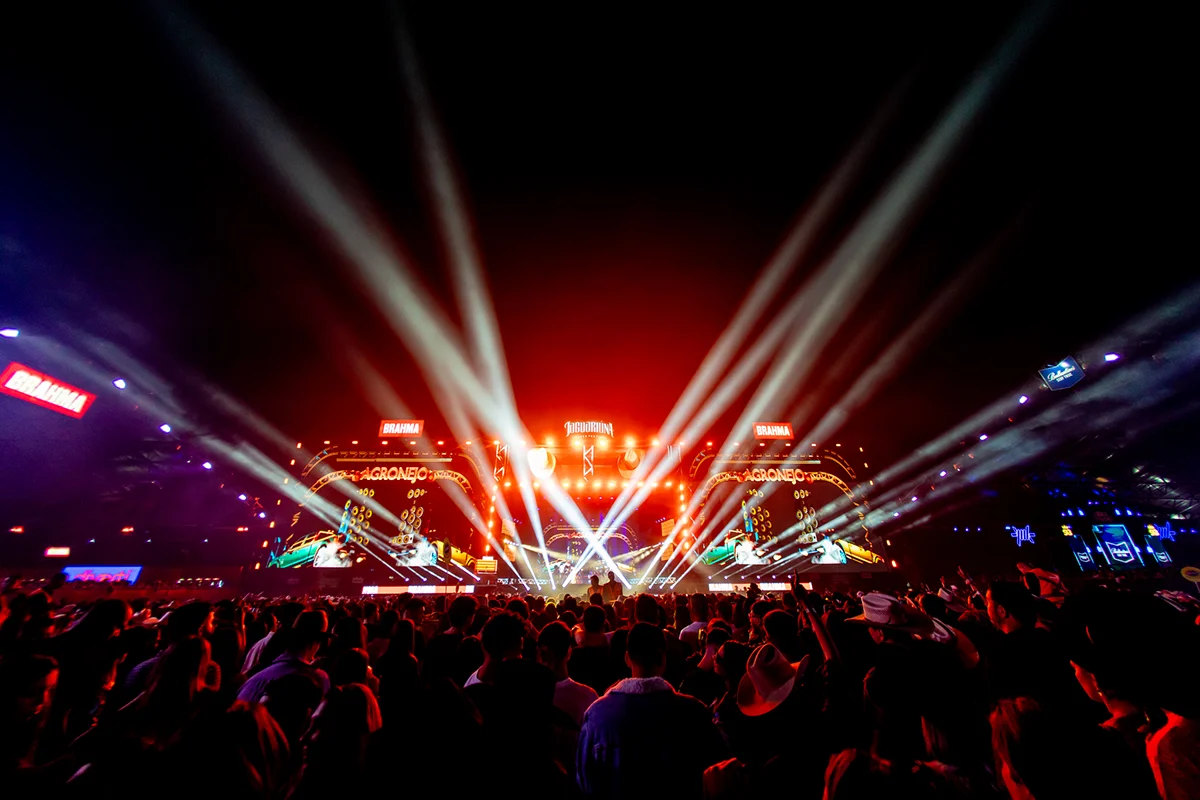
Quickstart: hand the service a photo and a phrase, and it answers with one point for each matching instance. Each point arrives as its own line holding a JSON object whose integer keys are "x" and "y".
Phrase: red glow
{"x": 40, "y": 389}
{"x": 58, "y": 552}
{"x": 17, "y": 529}
{"x": 127, "y": 529}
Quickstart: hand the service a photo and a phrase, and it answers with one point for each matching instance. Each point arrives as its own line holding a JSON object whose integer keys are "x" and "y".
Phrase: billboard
{"x": 1062, "y": 375}
{"x": 103, "y": 574}
{"x": 1116, "y": 546}
{"x": 772, "y": 430}
{"x": 401, "y": 427}
{"x": 35, "y": 387}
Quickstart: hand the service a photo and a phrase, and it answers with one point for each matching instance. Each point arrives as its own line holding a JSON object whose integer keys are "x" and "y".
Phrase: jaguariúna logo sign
{"x": 401, "y": 427}
{"x": 592, "y": 428}
{"x": 35, "y": 387}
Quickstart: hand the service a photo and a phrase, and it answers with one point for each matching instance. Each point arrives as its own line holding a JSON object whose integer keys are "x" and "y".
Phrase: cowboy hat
{"x": 884, "y": 611}
{"x": 952, "y": 604}
{"x": 768, "y": 681}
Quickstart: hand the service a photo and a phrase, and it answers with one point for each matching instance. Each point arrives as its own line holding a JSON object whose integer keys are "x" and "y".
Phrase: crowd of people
{"x": 1014, "y": 688}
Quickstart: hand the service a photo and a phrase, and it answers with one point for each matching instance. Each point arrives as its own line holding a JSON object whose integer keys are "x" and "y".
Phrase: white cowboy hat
{"x": 884, "y": 611}
{"x": 768, "y": 681}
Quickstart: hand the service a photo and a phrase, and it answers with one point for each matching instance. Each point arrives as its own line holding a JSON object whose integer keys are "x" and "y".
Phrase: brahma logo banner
{"x": 35, "y": 387}
{"x": 401, "y": 427}
{"x": 773, "y": 430}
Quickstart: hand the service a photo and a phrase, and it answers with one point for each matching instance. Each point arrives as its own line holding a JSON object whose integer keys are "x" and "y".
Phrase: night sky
{"x": 628, "y": 171}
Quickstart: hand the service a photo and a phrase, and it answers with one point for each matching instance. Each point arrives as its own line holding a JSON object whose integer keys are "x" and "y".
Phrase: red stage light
{"x": 127, "y": 529}
{"x": 17, "y": 529}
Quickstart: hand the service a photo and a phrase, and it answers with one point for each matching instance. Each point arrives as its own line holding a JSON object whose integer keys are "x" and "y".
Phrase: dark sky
{"x": 628, "y": 171}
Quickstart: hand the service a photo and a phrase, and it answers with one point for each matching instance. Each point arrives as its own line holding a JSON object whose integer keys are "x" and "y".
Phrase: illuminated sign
{"x": 772, "y": 475}
{"x": 103, "y": 574}
{"x": 32, "y": 386}
{"x": 1062, "y": 375}
{"x": 1022, "y": 535}
{"x": 592, "y": 428}
{"x": 1155, "y": 548}
{"x": 401, "y": 427}
{"x": 1117, "y": 546}
{"x": 773, "y": 430}
{"x": 410, "y": 474}
{"x": 1164, "y": 530}
{"x": 745, "y": 587}
{"x": 485, "y": 565}
{"x": 58, "y": 552}
{"x": 440, "y": 589}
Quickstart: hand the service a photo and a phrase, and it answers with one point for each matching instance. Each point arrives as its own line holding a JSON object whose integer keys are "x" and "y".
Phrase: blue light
{"x": 262, "y": 515}
{"x": 942, "y": 474}
{"x": 1070, "y": 513}
{"x": 1111, "y": 357}
{"x": 1080, "y": 510}
{"x": 207, "y": 465}
{"x": 10, "y": 333}
{"x": 119, "y": 383}
{"x": 1118, "y": 511}
{"x": 242, "y": 497}
{"x": 983, "y": 437}
{"x": 895, "y": 513}
{"x": 1023, "y": 399}
{"x": 914, "y": 498}
{"x": 165, "y": 428}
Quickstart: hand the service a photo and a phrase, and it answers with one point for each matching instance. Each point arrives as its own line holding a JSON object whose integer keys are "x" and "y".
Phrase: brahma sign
{"x": 773, "y": 430}
{"x": 401, "y": 427}
{"x": 35, "y": 387}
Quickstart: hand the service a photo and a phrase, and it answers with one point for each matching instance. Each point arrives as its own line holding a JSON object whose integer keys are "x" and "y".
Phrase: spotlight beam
{"x": 849, "y": 272}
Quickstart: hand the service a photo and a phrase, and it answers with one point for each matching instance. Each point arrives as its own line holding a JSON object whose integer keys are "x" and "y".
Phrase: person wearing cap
{"x": 191, "y": 619}
{"x": 304, "y": 640}
{"x": 642, "y": 738}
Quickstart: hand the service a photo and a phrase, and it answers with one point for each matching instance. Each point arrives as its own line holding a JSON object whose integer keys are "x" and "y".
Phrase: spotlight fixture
{"x": 119, "y": 383}
{"x": 165, "y": 428}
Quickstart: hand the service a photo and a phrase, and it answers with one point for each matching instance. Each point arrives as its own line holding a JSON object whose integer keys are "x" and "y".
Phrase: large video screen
{"x": 396, "y": 523}
{"x": 1116, "y": 547}
{"x": 771, "y": 517}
